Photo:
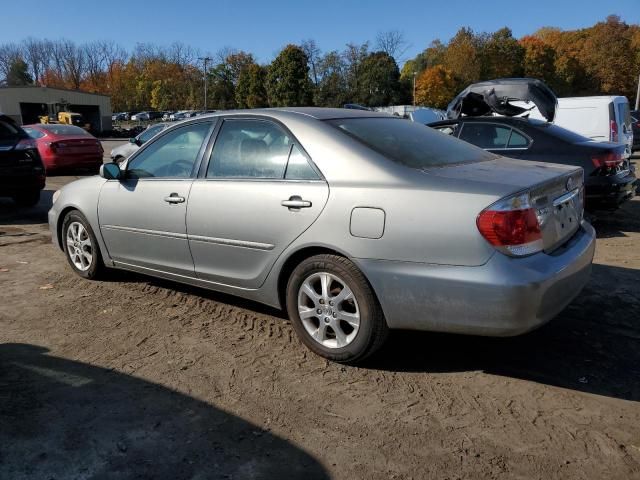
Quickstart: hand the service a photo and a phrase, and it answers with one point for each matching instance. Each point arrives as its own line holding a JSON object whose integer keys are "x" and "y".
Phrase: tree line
{"x": 601, "y": 59}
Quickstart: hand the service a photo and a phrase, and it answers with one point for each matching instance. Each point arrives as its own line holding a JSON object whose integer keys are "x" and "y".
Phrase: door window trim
{"x": 196, "y": 166}
{"x": 501, "y": 149}
{"x": 206, "y": 158}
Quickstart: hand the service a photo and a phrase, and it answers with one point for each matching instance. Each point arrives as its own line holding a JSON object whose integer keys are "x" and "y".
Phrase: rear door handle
{"x": 296, "y": 202}
{"x": 174, "y": 198}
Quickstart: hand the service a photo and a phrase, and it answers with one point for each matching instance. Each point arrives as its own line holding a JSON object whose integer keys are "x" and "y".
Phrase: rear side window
{"x": 409, "y": 143}
{"x": 517, "y": 140}
{"x": 250, "y": 149}
{"x": 624, "y": 113}
{"x": 485, "y": 135}
{"x": 298, "y": 167}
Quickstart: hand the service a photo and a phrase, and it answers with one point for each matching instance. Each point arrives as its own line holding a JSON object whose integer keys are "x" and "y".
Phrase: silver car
{"x": 122, "y": 152}
{"x": 356, "y": 222}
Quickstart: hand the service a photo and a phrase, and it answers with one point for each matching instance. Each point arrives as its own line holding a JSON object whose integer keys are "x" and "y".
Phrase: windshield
{"x": 57, "y": 129}
{"x": 410, "y": 143}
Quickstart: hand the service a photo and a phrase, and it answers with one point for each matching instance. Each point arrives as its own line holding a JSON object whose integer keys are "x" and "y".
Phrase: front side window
{"x": 249, "y": 149}
{"x": 409, "y": 143}
{"x": 173, "y": 155}
{"x": 485, "y": 135}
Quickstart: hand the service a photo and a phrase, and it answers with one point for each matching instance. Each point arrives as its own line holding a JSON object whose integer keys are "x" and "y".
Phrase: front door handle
{"x": 174, "y": 198}
{"x": 296, "y": 201}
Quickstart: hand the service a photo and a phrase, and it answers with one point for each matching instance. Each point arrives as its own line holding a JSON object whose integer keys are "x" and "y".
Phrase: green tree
{"x": 288, "y": 82}
{"x": 463, "y": 57}
{"x": 250, "y": 91}
{"x": 502, "y": 56}
{"x": 221, "y": 91}
{"x": 18, "y": 74}
{"x": 332, "y": 89}
{"x": 379, "y": 80}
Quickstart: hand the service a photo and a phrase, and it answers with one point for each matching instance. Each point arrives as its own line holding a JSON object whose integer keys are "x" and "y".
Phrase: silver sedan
{"x": 355, "y": 222}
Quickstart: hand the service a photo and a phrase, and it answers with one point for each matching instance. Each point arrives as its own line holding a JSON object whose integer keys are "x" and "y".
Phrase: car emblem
{"x": 569, "y": 184}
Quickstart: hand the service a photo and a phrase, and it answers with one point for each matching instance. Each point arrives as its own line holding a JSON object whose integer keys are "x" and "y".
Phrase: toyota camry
{"x": 355, "y": 222}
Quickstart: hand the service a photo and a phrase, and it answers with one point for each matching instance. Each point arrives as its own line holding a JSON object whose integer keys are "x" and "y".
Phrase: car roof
{"x": 317, "y": 113}
{"x": 487, "y": 119}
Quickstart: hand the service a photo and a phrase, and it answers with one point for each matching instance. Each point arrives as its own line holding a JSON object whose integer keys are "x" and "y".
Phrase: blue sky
{"x": 264, "y": 26}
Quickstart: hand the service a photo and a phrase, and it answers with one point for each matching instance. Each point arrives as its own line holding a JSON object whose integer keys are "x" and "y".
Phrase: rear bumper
{"x": 11, "y": 185}
{"x": 80, "y": 161}
{"x": 609, "y": 192}
{"x": 506, "y": 296}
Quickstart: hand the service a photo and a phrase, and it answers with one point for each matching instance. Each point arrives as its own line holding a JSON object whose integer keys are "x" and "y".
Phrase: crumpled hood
{"x": 496, "y": 96}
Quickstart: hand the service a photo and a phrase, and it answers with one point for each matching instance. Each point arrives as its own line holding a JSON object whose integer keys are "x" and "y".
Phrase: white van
{"x": 604, "y": 118}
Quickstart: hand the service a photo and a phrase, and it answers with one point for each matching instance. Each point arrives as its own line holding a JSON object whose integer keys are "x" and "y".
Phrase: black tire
{"x": 96, "y": 268}
{"x": 28, "y": 198}
{"x": 372, "y": 331}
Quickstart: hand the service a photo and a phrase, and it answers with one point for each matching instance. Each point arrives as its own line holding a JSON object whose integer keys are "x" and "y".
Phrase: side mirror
{"x": 110, "y": 171}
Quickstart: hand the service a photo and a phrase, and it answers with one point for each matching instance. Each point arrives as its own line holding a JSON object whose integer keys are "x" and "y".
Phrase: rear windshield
{"x": 57, "y": 129}
{"x": 568, "y": 136}
{"x": 409, "y": 143}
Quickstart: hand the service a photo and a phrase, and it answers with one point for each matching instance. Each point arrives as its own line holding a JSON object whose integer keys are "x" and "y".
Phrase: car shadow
{"x": 592, "y": 346}
{"x": 616, "y": 223}
{"x": 65, "y": 419}
{"x": 12, "y": 214}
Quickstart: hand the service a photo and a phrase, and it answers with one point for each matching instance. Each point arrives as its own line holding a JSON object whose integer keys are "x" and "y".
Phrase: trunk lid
{"x": 77, "y": 146}
{"x": 555, "y": 191}
{"x": 495, "y": 96}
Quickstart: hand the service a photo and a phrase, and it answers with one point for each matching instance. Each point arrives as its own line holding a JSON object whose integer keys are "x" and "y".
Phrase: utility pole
{"x": 205, "y": 60}
{"x": 414, "y": 88}
{"x": 638, "y": 95}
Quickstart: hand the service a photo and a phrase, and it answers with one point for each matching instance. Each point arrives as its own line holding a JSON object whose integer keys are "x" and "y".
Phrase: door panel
{"x": 141, "y": 228}
{"x": 143, "y": 216}
{"x": 238, "y": 228}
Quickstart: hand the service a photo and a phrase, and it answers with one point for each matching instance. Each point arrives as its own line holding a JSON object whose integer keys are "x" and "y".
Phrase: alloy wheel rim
{"x": 328, "y": 310}
{"x": 79, "y": 246}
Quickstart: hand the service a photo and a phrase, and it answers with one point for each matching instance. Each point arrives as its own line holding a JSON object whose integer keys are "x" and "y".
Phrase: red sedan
{"x": 66, "y": 147}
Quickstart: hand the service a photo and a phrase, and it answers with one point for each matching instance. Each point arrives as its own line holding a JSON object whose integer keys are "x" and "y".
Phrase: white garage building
{"x": 26, "y": 104}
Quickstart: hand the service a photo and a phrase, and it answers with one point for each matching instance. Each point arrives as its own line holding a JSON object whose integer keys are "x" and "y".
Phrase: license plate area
{"x": 567, "y": 213}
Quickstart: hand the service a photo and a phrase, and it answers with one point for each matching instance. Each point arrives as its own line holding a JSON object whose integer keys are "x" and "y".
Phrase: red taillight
{"x": 26, "y": 144}
{"x": 608, "y": 159}
{"x": 512, "y": 226}
{"x": 614, "y": 131}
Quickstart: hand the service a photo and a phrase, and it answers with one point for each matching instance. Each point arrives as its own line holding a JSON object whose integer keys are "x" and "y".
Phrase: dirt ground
{"x": 140, "y": 378}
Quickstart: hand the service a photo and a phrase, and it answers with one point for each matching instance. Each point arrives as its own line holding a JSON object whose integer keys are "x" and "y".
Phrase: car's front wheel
{"x": 81, "y": 247}
{"x": 334, "y": 310}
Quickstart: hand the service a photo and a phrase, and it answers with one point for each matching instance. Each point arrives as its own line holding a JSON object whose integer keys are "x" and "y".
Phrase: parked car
{"x": 635, "y": 125}
{"x": 166, "y": 116}
{"x": 119, "y": 117}
{"x": 66, "y": 147}
{"x": 604, "y": 118}
{"x": 609, "y": 179}
{"x": 355, "y": 222}
{"x": 179, "y": 115}
{"x": 22, "y": 173}
{"x": 155, "y": 115}
{"x": 141, "y": 117}
{"x": 122, "y": 152}
{"x": 427, "y": 115}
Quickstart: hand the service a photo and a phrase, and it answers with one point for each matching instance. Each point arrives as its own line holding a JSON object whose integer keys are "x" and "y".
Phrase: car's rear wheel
{"x": 81, "y": 247}
{"x": 334, "y": 310}
{"x": 28, "y": 198}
